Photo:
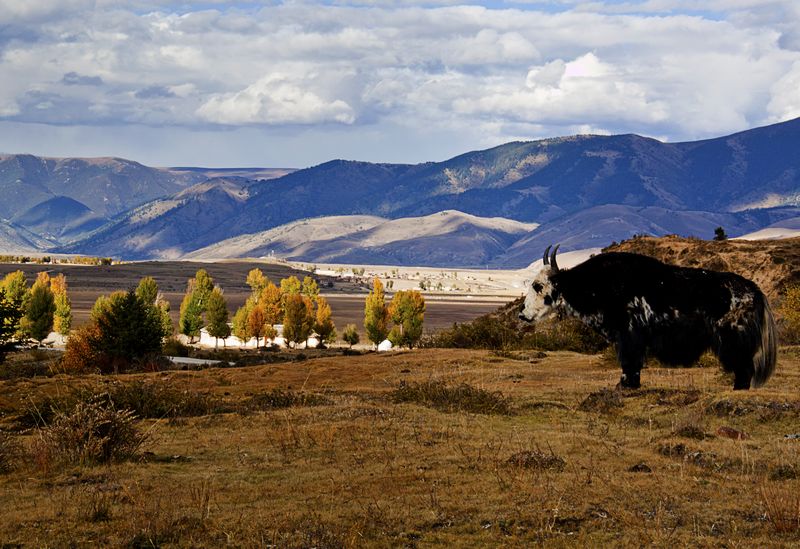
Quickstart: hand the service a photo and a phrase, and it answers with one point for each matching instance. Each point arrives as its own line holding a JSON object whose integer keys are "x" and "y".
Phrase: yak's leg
{"x": 630, "y": 352}
{"x": 736, "y": 355}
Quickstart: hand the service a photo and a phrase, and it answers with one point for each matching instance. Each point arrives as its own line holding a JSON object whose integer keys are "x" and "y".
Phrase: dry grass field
{"x": 429, "y": 448}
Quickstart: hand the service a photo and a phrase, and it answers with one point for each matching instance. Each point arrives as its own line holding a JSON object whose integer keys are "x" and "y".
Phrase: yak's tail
{"x": 766, "y": 353}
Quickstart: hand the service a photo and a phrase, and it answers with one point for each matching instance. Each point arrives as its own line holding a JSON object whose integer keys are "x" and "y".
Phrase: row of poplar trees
{"x": 33, "y": 312}
{"x": 406, "y": 312}
{"x": 295, "y": 305}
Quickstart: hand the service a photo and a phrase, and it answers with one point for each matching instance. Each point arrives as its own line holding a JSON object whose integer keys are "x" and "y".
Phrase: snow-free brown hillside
{"x": 448, "y": 238}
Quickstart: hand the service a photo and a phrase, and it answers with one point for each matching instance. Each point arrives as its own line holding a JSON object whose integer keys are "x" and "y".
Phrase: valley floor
{"x": 559, "y": 460}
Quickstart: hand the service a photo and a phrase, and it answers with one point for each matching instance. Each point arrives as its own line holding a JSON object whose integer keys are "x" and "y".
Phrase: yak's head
{"x": 543, "y": 299}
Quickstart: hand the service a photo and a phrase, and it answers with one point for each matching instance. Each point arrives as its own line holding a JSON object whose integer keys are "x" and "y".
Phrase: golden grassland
{"x": 567, "y": 462}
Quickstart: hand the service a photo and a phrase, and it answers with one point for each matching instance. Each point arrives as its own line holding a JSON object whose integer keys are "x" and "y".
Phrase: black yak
{"x": 675, "y": 313}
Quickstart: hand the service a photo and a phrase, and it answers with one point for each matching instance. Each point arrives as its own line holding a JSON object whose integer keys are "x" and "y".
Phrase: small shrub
{"x": 173, "y": 347}
{"x": 81, "y": 355}
{"x": 93, "y": 432}
{"x": 151, "y": 399}
{"x": 783, "y": 472}
{"x": 537, "y": 460}
{"x": 782, "y": 505}
{"x": 690, "y": 430}
{"x": 567, "y": 334}
{"x": 278, "y": 398}
{"x": 502, "y": 330}
{"x": 29, "y": 364}
{"x": 484, "y": 332}
{"x": 145, "y": 399}
{"x": 461, "y": 398}
{"x": 42, "y": 412}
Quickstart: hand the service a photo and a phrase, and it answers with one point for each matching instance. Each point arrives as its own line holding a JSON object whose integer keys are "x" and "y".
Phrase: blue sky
{"x": 292, "y": 84}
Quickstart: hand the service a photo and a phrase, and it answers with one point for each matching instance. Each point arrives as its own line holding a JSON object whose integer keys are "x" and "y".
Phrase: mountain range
{"x": 498, "y": 207}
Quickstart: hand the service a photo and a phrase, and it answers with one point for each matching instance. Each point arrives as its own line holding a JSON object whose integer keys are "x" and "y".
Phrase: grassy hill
{"x": 772, "y": 264}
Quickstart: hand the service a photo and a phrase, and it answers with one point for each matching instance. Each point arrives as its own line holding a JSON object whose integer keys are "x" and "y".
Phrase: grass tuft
{"x": 537, "y": 460}
{"x": 782, "y": 504}
{"x": 459, "y": 398}
{"x": 10, "y": 452}
{"x": 93, "y": 432}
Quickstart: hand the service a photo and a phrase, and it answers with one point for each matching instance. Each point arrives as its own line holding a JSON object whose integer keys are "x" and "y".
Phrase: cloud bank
{"x": 418, "y": 80}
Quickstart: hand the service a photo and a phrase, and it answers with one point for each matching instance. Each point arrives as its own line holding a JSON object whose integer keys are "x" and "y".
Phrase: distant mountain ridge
{"x": 583, "y": 191}
{"x": 66, "y": 198}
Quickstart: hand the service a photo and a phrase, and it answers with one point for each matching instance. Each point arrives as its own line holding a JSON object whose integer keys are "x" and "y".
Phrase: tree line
{"x": 128, "y": 328}
{"x": 32, "y": 312}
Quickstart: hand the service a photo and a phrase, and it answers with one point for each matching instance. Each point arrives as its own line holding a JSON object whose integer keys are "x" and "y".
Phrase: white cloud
{"x": 474, "y": 74}
{"x": 785, "y": 101}
{"x": 565, "y": 92}
{"x": 275, "y": 99}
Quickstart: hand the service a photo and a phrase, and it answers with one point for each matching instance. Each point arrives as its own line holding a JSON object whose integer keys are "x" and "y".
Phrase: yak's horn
{"x": 546, "y": 258}
{"x": 553, "y": 262}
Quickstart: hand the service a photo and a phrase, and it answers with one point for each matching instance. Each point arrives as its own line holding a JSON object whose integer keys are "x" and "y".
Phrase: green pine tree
{"x": 217, "y": 316}
{"x": 128, "y": 330}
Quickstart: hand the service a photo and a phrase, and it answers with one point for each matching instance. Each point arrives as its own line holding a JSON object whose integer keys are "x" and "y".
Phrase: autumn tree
{"x": 290, "y": 286}
{"x": 310, "y": 288}
{"x": 271, "y": 299}
{"x": 147, "y": 290}
{"x": 166, "y": 318}
{"x": 15, "y": 287}
{"x": 38, "y": 319}
{"x": 376, "y": 315}
{"x": 298, "y": 319}
{"x": 407, "y": 311}
{"x": 62, "y": 317}
{"x": 323, "y": 324}
{"x": 202, "y": 287}
{"x": 257, "y": 281}
{"x": 193, "y": 306}
{"x": 240, "y": 320}
{"x": 350, "y": 335}
{"x": 256, "y": 323}
{"x": 191, "y": 316}
{"x": 217, "y": 315}
{"x": 7, "y": 328}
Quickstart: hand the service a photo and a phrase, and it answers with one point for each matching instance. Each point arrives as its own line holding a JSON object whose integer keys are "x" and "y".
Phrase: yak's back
{"x": 613, "y": 280}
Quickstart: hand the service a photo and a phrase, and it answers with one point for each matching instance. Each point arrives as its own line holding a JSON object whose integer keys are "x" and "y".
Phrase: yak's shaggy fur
{"x": 676, "y": 313}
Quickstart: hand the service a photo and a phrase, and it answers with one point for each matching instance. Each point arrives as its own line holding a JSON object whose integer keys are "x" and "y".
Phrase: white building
{"x": 234, "y": 342}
